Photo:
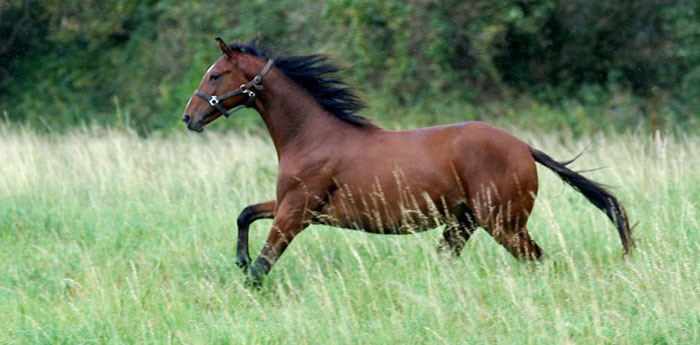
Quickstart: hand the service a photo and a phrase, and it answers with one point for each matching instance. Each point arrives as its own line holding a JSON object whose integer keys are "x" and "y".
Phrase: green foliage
{"x": 64, "y": 63}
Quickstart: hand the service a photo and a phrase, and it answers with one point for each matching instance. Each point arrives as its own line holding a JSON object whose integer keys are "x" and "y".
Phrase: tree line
{"x": 64, "y": 63}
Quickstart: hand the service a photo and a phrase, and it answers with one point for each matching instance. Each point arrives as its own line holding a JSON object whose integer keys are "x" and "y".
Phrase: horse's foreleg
{"x": 265, "y": 210}
{"x": 291, "y": 218}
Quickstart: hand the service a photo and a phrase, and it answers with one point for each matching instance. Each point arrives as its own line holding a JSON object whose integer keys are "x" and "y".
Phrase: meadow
{"x": 107, "y": 237}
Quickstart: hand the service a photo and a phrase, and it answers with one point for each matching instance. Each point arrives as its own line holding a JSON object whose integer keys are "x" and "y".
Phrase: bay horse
{"x": 338, "y": 168}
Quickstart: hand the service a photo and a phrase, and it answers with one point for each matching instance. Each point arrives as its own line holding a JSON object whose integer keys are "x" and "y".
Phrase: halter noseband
{"x": 215, "y": 101}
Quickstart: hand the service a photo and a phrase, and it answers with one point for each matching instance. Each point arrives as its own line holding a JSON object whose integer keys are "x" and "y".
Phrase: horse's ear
{"x": 224, "y": 48}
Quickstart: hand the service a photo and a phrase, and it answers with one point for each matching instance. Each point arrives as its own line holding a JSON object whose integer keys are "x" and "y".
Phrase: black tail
{"x": 594, "y": 192}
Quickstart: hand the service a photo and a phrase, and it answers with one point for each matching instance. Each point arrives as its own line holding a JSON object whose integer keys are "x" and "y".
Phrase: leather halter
{"x": 215, "y": 101}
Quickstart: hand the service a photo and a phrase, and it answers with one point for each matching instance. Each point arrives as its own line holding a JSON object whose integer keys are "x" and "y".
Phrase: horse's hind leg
{"x": 457, "y": 231}
{"x": 265, "y": 210}
{"x": 519, "y": 243}
{"x": 454, "y": 238}
{"x": 503, "y": 212}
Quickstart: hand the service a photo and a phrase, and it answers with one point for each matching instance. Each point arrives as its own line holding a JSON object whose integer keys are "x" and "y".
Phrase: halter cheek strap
{"x": 246, "y": 89}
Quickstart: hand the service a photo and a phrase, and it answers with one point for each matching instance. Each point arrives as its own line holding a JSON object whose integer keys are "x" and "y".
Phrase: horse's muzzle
{"x": 186, "y": 119}
{"x": 197, "y": 126}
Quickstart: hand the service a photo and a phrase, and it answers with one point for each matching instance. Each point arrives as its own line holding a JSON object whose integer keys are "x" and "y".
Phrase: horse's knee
{"x": 246, "y": 217}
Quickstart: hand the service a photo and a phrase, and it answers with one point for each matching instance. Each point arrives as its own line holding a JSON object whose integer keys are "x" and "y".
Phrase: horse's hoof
{"x": 253, "y": 283}
{"x": 242, "y": 264}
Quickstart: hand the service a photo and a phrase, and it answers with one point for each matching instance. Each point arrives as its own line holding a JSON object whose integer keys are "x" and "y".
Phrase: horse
{"x": 340, "y": 169}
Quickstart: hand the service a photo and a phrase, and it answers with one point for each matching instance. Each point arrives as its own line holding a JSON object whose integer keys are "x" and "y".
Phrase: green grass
{"x": 107, "y": 237}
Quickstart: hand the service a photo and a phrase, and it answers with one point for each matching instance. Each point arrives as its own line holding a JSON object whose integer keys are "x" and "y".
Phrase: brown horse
{"x": 337, "y": 168}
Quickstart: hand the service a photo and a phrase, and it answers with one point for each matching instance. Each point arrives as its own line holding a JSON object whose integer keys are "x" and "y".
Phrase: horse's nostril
{"x": 186, "y": 119}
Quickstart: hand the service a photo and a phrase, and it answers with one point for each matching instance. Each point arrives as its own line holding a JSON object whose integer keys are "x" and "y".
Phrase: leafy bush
{"x": 64, "y": 63}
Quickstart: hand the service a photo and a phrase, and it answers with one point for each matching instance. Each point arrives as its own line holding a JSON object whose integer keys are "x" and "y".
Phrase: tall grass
{"x": 106, "y": 237}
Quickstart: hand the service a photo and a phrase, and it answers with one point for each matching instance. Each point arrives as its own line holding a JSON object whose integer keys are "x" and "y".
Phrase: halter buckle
{"x": 213, "y": 101}
{"x": 245, "y": 89}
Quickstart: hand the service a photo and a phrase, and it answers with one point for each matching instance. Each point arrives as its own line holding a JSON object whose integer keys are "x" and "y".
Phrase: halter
{"x": 245, "y": 89}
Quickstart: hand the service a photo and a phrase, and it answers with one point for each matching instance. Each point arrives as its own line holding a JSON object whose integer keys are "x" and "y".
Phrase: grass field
{"x": 106, "y": 237}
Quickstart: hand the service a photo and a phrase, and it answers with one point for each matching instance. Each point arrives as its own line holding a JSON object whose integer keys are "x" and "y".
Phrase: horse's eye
{"x": 214, "y": 77}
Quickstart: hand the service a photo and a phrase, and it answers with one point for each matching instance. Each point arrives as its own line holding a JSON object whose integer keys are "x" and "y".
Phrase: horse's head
{"x": 224, "y": 86}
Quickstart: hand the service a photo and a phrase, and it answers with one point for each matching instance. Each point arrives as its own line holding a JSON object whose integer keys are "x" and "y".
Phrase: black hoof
{"x": 253, "y": 283}
{"x": 243, "y": 263}
{"x": 257, "y": 272}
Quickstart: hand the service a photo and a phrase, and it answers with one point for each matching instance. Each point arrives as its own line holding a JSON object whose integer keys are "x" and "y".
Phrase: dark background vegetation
{"x": 582, "y": 65}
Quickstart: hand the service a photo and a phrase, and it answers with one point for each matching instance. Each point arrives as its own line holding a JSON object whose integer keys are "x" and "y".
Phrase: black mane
{"x": 313, "y": 72}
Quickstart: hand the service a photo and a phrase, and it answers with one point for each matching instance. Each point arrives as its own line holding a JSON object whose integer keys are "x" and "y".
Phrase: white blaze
{"x": 205, "y": 74}
{"x": 210, "y": 67}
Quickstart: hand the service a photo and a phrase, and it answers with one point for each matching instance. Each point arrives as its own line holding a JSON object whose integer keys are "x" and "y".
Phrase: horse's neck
{"x": 292, "y": 115}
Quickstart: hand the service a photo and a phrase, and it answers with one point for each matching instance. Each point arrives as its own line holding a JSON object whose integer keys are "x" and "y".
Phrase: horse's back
{"x": 472, "y": 148}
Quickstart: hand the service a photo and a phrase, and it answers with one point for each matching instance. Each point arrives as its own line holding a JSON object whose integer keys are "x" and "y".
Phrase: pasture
{"x": 108, "y": 237}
